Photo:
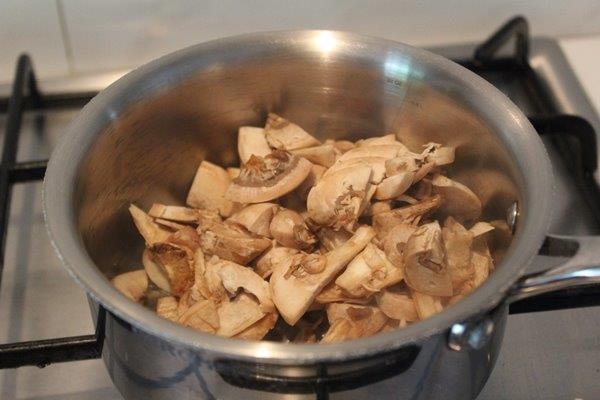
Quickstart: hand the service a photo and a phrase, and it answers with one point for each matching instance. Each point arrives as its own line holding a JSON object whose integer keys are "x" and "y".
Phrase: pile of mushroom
{"x": 312, "y": 242}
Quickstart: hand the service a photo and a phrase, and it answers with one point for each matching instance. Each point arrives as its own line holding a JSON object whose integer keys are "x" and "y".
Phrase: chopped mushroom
{"x": 425, "y": 268}
{"x": 252, "y": 141}
{"x": 307, "y": 231}
{"x": 256, "y": 218}
{"x": 266, "y": 178}
{"x": 294, "y": 292}
{"x": 208, "y": 189}
{"x": 457, "y": 200}
{"x": 284, "y": 135}
{"x": 289, "y": 229}
{"x": 336, "y": 199}
{"x": 323, "y": 155}
{"x": 132, "y": 284}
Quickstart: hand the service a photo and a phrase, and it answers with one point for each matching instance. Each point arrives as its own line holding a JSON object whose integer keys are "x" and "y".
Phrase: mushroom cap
{"x": 387, "y": 151}
{"x": 132, "y": 284}
{"x": 237, "y": 315}
{"x": 394, "y": 186}
{"x": 235, "y": 276}
{"x": 285, "y": 135}
{"x": 425, "y": 268}
{"x": 289, "y": 229}
{"x": 377, "y": 164}
{"x": 410, "y": 214}
{"x": 395, "y": 241}
{"x": 457, "y": 199}
{"x": 252, "y": 141}
{"x": 457, "y": 245}
{"x": 256, "y": 218}
{"x": 265, "y": 179}
{"x": 438, "y": 154}
{"x": 201, "y": 316}
{"x": 397, "y": 304}
{"x": 349, "y": 321}
{"x": 275, "y": 255}
{"x": 336, "y": 200}
{"x": 231, "y": 242}
{"x": 208, "y": 189}
{"x": 385, "y": 139}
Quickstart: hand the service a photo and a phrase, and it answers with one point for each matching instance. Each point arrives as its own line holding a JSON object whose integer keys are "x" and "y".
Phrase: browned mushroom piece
{"x": 150, "y": 230}
{"x": 174, "y": 213}
{"x": 332, "y": 239}
{"x": 177, "y": 264}
{"x": 290, "y": 230}
{"x": 256, "y": 218}
{"x": 412, "y": 214}
{"x": 166, "y": 307}
{"x": 235, "y": 277}
{"x": 132, "y": 284}
{"x": 425, "y": 267}
{"x": 185, "y": 302}
{"x": 259, "y": 329}
{"x": 252, "y": 141}
{"x": 156, "y": 272}
{"x": 397, "y": 304}
{"x": 369, "y": 272}
{"x": 377, "y": 207}
{"x": 237, "y": 315}
{"x": 395, "y": 241}
{"x": 275, "y": 255}
{"x": 267, "y": 178}
{"x": 295, "y": 284}
{"x": 324, "y": 155}
{"x": 209, "y": 283}
{"x": 426, "y": 305}
{"x": 201, "y": 316}
{"x": 457, "y": 199}
{"x": 285, "y": 135}
{"x": 336, "y": 199}
{"x": 231, "y": 242}
{"x": 332, "y": 293}
{"x": 348, "y": 321}
{"x": 233, "y": 172}
{"x": 208, "y": 189}
{"x": 457, "y": 245}
{"x": 165, "y": 223}
{"x": 186, "y": 238}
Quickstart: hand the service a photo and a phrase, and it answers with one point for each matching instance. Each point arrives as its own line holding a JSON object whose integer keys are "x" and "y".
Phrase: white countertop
{"x": 583, "y": 52}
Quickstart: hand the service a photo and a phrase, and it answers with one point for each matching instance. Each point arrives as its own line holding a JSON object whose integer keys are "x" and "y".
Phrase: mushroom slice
{"x": 457, "y": 199}
{"x": 397, "y": 304}
{"x": 369, "y": 272}
{"x": 362, "y": 321}
{"x": 411, "y": 215}
{"x": 208, "y": 189}
{"x": 267, "y": 178}
{"x": 438, "y": 154}
{"x": 256, "y": 218}
{"x": 333, "y": 293}
{"x": 332, "y": 239}
{"x": 231, "y": 242}
{"x": 132, "y": 284}
{"x": 377, "y": 164}
{"x": 173, "y": 213}
{"x": 457, "y": 245}
{"x": 211, "y": 286}
{"x": 405, "y": 162}
{"x": 395, "y": 241}
{"x": 425, "y": 304}
{"x": 425, "y": 268}
{"x": 235, "y": 276}
{"x": 259, "y": 329}
{"x": 337, "y": 198}
{"x": 423, "y": 170}
{"x": 295, "y": 284}
{"x": 289, "y": 229}
{"x": 150, "y": 230}
{"x": 324, "y": 154}
{"x": 156, "y": 272}
{"x": 316, "y": 172}
{"x": 265, "y": 263}
{"x": 252, "y": 141}
{"x": 185, "y": 302}
{"x": 394, "y": 186}
{"x": 386, "y": 151}
{"x": 177, "y": 264}
{"x": 233, "y": 172}
{"x": 285, "y": 135}
{"x": 186, "y": 238}
{"x": 166, "y": 307}
{"x": 202, "y": 316}
{"x": 377, "y": 207}
{"x": 238, "y": 314}
{"x": 169, "y": 224}
{"x": 481, "y": 228}
{"x": 385, "y": 139}
{"x": 341, "y": 145}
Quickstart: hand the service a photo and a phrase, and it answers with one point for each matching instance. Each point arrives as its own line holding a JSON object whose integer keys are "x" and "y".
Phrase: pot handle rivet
{"x": 471, "y": 335}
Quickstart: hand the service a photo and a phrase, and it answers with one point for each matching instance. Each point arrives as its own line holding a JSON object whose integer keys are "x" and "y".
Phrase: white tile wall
{"x": 111, "y": 34}
{"x": 32, "y": 26}
{"x": 584, "y": 55}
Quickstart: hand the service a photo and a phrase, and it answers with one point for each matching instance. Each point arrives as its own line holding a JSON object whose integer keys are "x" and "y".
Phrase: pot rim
{"x": 517, "y": 135}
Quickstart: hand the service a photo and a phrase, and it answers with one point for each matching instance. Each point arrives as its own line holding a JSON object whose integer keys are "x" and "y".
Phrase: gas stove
{"x": 551, "y": 348}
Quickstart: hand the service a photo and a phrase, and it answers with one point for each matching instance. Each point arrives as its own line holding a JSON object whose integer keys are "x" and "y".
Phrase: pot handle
{"x": 581, "y": 269}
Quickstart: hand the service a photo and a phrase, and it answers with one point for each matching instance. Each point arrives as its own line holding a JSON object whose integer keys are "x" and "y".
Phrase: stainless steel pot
{"x": 141, "y": 139}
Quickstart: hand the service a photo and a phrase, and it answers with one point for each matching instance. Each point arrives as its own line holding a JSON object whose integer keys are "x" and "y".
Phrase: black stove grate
{"x": 565, "y": 129}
